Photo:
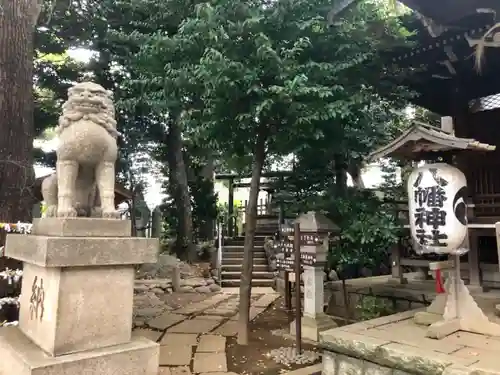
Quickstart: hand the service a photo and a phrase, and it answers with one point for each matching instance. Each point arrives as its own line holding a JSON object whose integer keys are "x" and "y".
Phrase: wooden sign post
{"x": 298, "y": 271}
{"x": 289, "y": 260}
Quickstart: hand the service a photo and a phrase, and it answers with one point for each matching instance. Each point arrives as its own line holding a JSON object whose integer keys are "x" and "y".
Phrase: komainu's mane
{"x": 105, "y": 118}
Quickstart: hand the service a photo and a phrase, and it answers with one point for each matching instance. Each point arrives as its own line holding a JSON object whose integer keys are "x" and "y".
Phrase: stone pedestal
{"x": 313, "y": 320}
{"x": 453, "y": 311}
{"x": 76, "y": 300}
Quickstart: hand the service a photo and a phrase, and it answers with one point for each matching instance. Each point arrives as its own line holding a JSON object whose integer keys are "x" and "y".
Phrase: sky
{"x": 371, "y": 175}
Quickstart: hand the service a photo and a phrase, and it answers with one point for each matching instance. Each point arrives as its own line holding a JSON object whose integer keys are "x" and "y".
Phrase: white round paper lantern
{"x": 437, "y": 208}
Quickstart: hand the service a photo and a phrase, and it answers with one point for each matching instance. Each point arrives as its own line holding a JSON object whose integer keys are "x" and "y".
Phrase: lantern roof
{"x": 313, "y": 221}
{"x": 423, "y": 138}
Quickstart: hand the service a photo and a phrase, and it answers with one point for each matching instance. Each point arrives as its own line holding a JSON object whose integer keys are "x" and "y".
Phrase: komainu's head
{"x": 91, "y": 102}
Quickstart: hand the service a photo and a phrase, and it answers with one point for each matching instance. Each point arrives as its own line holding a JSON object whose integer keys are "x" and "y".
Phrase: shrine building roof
{"x": 447, "y": 12}
{"x": 422, "y": 139}
{"x": 440, "y": 56}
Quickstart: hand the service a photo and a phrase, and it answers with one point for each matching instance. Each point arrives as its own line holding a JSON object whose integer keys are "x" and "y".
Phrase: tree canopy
{"x": 236, "y": 84}
{"x": 264, "y": 78}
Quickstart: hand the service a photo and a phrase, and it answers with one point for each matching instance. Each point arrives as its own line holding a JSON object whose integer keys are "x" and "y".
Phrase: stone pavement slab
{"x": 227, "y": 329}
{"x": 149, "y": 312}
{"x": 255, "y": 290}
{"x": 147, "y": 333}
{"x": 165, "y": 320}
{"x": 266, "y": 300}
{"x": 401, "y": 343}
{"x": 253, "y": 313}
{"x": 218, "y": 311}
{"x": 407, "y": 337}
{"x": 212, "y": 317}
{"x": 309, "y": 370}
{"x": 175, "y": 355}
{"x": 181, "y": 339}
{"x": 195, "y": 325}
{"x": 473, "y": 340}
{"x": 198, "y": 307}
{"x": 183, "y": 370}
{"x": 164, "y": 371}
{"x": 210, "y": 362}
{"x": 211, "y": 344}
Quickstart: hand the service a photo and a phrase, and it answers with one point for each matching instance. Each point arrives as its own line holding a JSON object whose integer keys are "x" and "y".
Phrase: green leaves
{"x": 368, "y": 229}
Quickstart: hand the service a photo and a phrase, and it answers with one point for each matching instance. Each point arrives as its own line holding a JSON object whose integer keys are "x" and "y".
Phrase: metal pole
{"x": 230, "y": 209}
{"x": 219, "y": 252}
{"x": 457, "y": 284}
{"x": 298, "y": 313}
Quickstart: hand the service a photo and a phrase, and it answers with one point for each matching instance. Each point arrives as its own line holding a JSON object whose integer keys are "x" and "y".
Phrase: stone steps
{"x": 241, "y": 249}
{"x": 232, "y": 259}
{"x": 257, "y": 275}
{"x": 239, "y": 255}
{"x": 255, "y": 283}
{"x": 232, "y": 263}
{"x": 240, "y": 241}
{"x": 238, "y": 267}
{"x": 238, "y": 260}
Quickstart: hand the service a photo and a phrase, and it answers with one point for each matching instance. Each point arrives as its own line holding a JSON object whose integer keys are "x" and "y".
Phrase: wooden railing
{"x": 486, "y": 205}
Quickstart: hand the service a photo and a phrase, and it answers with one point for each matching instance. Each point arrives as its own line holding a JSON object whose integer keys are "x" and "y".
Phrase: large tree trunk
{"x": 17, "y": 176}
{"x": 250, "y": 225}
{"x": 207, "y": 229}
{"x": 178, "y": 177}
{"x": 340, "y": 175}
{"x": 355, "y": 171}
{"x": 17, "y": 26}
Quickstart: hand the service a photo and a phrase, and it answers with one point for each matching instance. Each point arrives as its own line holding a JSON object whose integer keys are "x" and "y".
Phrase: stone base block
{"x": 81, "y": 227}
{"x": 20, "y": 356}
{"x": 48, "y": 251}
{"x": 397, "y": 280}
{"x": 311, "y": 327}
{"x": 338, "y": 364}
{"x": 66, "y": 310}
{"x": 425, "y": 318}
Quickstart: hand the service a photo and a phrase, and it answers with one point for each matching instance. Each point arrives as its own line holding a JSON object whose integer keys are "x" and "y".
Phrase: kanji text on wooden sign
{"x": 285, "y": 258}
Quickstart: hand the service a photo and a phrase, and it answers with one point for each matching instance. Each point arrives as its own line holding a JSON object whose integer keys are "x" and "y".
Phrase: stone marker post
{"x": 314, "y": 230}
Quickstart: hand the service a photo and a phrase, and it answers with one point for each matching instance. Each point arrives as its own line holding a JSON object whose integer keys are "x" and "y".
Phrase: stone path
{"x": 193, "y": 338}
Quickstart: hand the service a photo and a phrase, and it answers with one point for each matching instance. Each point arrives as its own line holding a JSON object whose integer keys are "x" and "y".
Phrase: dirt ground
{"x": 251, "y": 359}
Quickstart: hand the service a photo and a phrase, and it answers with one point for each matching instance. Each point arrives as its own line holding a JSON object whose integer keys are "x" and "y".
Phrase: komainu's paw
{"x": 110, "y": 214}
{"x": 51, "y": 211}
{"x": 96, "y": 212}
{"x": 81, "y": 212}
{"x": 69, "y": 212}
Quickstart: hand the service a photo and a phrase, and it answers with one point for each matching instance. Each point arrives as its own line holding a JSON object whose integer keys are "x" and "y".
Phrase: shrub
{"x": 371, "y": 307}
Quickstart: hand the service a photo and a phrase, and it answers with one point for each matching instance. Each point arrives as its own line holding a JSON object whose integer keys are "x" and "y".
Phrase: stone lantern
{"x": 316, "y": 230}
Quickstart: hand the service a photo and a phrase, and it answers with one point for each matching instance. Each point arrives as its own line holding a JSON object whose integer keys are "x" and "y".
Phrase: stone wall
{"x": 397, "y": 298}
{"x": 339, "y": 364}
{"x": 400, "y": 298}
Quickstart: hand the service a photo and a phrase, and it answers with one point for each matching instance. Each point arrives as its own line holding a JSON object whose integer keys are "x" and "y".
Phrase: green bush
{"x": 371, "y": 307}
{"x": 369, "y": 228}
{"x": 205, "y": 250}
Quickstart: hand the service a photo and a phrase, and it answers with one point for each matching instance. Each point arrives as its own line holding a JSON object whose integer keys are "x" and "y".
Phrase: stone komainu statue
{"x": 84, "y": 182}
